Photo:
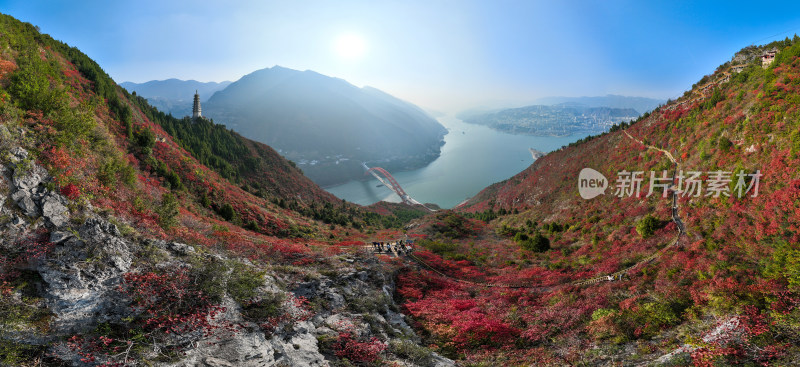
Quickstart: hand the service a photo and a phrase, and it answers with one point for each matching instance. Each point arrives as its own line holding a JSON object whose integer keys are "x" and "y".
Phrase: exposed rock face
{"x": 298, "y": 344}
{"x": 54, "y": 209}
{"x": 82, "y": 286}
{"x": 81, "y": 275}
{"x": 27, "y": 180}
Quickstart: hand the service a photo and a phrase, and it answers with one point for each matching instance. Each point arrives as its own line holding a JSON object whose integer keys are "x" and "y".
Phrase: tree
{"x": 227, "y": 212}
{"x": 647, "y": 226}
{"x": 168, "y": 211}
{"x": 724, "y": 143}
{"x": 146, "y": 140}
{"x": 535, "y": 243}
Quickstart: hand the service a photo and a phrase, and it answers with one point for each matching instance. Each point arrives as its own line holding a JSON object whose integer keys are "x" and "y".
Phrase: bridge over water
{"x": 387, "y": 180}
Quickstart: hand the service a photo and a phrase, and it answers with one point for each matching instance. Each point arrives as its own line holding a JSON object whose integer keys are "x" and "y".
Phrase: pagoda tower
{"x": 196, "y": 110}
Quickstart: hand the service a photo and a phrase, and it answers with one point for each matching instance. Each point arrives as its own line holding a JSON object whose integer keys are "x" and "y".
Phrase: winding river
{"x": 472, "y": 158}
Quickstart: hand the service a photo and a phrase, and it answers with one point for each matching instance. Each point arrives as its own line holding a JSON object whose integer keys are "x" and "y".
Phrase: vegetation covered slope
{"x": 128, "y": 237}
{"x": 726, "y": 293}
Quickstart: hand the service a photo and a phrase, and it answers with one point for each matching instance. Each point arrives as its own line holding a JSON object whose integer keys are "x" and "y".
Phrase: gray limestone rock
{"x": 180, "y": 248}
{"x": 28, "y": 179}
{"x": 82, "y": 276}
{"x": 54, "y": 209}
{"x": 25, "y": 202}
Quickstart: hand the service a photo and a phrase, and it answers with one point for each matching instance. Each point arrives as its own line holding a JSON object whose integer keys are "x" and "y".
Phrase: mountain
{"x": 130, "y": 237}
{"x": 327, "y": 125}
{"x": 558, "y": 120}
{"x": 640, "y": 104}
{"x": 529, "y": 272}
{"x": 174, "y": 96}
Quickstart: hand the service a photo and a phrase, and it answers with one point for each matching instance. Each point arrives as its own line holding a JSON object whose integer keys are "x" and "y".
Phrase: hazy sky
{"x": 438, "y": 54}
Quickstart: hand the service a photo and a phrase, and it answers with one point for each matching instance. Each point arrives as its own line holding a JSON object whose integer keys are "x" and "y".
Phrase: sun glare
{"x": 350, "y": 46}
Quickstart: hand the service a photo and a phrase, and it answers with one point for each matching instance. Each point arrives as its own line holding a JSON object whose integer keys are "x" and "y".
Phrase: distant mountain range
{"x": 174, "y": 96}
{"x": 326, "y": 125}
{"x": 640, "y": 104}
{"x": 559, "y": 120}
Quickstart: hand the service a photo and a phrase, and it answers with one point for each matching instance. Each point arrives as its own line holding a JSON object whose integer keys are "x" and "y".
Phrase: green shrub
{"x": 244, "y": 282}
{"x": 437, "y": 247}
{"x": 724, "y": 143}
{"x": 227, "y": 212}
{"x": 649, "y": 318}
{"x": 73, "y": 126}
{"x": 535, "y": 243}
{"x": 264, "y": 307}
{"x": 507, "y": 231}
{"x": 168, "y": 211}
{"x": 784, "y": 265}
{"x": 411, "y": 352}
{"x": 30, "y": 84}
{"x": 601, "y": 312}
{"x": 115, "y": 170}
{"x": 647, "y": 226}
{"x": 145, "y": 139}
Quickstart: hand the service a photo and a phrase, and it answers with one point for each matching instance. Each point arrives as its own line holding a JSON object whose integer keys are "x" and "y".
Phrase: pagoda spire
{"x": 196, "y": 110}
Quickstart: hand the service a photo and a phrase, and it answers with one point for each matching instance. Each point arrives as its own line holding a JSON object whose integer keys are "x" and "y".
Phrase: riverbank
{"x": 472, "y": 158}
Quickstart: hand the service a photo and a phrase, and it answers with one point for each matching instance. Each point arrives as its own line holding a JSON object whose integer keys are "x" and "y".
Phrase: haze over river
{"x": 473, "y": 157}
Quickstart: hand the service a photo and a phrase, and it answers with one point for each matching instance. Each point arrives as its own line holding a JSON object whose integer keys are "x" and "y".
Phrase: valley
{"x": 246, "y": 234}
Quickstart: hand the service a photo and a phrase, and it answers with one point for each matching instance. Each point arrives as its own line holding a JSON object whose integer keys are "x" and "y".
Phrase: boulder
{"x": 180, "y": 248}
{"x": 28, "y": 179}
{"x": 54, "y": 209}
{"x": 18, "y": 154}
{"x": 82, "y": 293}
{"x": 24, "y": 201}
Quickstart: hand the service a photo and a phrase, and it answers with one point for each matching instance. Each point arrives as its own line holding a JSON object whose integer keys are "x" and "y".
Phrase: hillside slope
{"x": 725, "y": 292}
{"x": 119, "y": 246}
{"x": 327, "y": 125}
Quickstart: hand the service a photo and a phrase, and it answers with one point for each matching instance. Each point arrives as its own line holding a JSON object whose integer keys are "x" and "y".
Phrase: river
{"x": 472, "y": 158}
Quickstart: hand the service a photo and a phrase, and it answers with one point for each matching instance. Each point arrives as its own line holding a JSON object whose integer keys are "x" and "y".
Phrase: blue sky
{"x": 445, "y": 55}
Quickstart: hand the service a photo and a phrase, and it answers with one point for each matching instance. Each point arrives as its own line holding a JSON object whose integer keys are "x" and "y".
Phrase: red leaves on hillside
{"x": 6, "y": 68}
{"x": 350, "y": 347}
{"x": 169, "y": 303}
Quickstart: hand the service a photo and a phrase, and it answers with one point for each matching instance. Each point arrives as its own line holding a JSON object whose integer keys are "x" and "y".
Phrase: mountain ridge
{"x": 326, "y": 124}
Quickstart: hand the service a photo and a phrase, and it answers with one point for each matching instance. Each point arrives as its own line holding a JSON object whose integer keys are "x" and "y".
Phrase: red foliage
{"x": 350, "y": 347}
{"x": 71, "y": 191}
{"x": 25, "y": 252}
{"x": 169, "y": 303}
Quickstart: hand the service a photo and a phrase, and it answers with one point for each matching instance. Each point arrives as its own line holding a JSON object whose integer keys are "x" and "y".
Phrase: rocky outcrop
{"x": 28, "y": 191}
{"x": 82, "y": 273}
{"x": 358, "y": 301}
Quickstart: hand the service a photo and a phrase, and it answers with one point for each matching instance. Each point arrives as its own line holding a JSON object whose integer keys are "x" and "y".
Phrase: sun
{"x": 350, "y": 46}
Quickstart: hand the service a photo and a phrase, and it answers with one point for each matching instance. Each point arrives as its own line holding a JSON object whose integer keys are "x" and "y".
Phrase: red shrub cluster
{"x": 298, "y": 311}
{"x": 735, "y": 346}
{"x": 71, "y": 191}
{"x": 350, "y": 347}
{"x": 101, "y": 351}
{"x": 170, "y": 303}
{"x": 27, "y": 251}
